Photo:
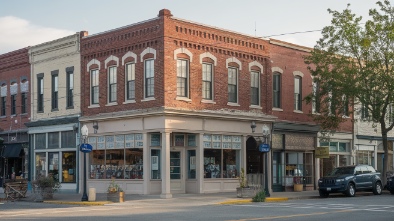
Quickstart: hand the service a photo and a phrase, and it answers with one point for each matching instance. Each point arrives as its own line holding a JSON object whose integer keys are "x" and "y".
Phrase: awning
{"x": 12, "y": 151}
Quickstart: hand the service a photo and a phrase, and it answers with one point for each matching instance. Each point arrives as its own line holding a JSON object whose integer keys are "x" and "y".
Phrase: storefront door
{"x": 176, "y": 172}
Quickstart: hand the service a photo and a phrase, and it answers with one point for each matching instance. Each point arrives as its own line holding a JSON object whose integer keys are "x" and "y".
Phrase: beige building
{"x": 55, "y": 110}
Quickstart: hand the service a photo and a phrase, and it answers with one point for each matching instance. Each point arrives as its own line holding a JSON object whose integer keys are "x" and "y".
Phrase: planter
{"x": 298, "y": 187}
{"x": 117, "y": 197}
{"x": 247, "y": 192}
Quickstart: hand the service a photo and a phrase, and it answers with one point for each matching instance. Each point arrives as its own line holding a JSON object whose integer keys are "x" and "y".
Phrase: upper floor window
{"x": 254, "y": 88}
{"x": 55, "y": 90}
{"x": 130, "y": 81}
{"x": 364, "y": 112}
{"x": 207, "y": 76}
{"x": 70, "y": 88}
{"x": 40, "y": 93}
{"x": 3, "y": 106}
{"x": 276, "y": 101}
{"x": 345, "y": 101}
{"x": 112, "y": 82}
{"x": 297, "y": 93}
{"x": 182, "y": 78}
{"x": 149, "y": 73}
{"x": 232, "y": 85}
{"x": 13, "y": 104}
{"x": 94, "y": 86}
{"x": 24, "y": 103}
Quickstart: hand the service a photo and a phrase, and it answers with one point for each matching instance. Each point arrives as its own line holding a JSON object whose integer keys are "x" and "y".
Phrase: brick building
{"x": 14, "y": 112}
{"x": 295, "y": 135}
{"x": 171, "y": 103}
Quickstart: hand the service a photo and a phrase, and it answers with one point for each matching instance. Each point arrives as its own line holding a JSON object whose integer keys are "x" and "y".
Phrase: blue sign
{"x": 264, "y": 147}
{"x": 86, "y": 148}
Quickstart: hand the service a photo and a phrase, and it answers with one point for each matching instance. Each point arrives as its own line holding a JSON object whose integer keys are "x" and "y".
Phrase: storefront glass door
{"x": 176, "y": 172}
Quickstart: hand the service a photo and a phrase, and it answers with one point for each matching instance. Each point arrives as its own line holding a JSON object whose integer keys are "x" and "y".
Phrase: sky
{"x": 30, "y": 22}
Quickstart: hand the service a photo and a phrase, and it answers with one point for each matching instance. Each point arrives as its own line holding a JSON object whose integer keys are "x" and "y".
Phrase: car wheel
{"x": 377, "y": 189}
{"x": 392, "y": 191}
{"x": 351, "y": 191}
{"x": 323, "y": 194}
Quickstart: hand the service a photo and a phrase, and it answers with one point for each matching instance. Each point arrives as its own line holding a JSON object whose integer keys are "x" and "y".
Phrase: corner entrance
{"x": 176, "y": 171}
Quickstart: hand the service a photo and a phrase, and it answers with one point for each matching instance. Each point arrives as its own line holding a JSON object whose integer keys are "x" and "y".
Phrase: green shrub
{"x": 260, "y": 197}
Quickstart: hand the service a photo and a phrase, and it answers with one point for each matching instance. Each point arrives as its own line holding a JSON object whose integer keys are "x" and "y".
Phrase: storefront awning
{"x": 12, "y": 151}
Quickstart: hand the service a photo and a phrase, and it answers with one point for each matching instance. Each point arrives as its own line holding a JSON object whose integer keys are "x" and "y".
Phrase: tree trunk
{"x": 386, "y": 154}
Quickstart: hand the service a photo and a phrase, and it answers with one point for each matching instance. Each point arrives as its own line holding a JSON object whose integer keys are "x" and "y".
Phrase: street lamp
{"x": 265, "y": 148}
{"x": 84, "y": 132}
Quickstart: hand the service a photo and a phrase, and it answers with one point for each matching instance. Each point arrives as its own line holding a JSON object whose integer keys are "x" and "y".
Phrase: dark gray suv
{"x": 349, "y": 179}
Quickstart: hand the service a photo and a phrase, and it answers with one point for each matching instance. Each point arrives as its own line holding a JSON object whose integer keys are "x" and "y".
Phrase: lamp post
{"x": 84, "y": 132}
{"x": 265, "y": 148}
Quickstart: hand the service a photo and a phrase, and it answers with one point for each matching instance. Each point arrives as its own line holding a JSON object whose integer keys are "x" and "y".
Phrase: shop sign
{"x": 86, "y": 148}
{"x": 322, "y": 152}
{"x": 264, "y": 147}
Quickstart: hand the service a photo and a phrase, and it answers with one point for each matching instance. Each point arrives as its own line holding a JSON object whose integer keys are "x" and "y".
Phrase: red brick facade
{"x": 165, "y": 34}
{"x": 15, "y": 69}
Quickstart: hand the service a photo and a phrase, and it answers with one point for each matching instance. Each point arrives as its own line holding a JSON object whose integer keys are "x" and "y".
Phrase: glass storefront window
{"x": 115, "y": 157}
{"x": 97, "y": 164}
{"x": 41, "y": 164}
{"x": 333, "y": 146}
{"x": 155, "y": 164}
{"x": 221, "y": 156}
{"x": 134, "y": 164}
{"x": 342, "y": 147}
{"x": 53, "y": 140}
{"x": 69, "y": 167}
{"x": 230, "y": 168}
{"x": 68, "y": 139}
{"x": 40, "y": 141}
{"x": 114, "y": 164}
{"x": 53, "y": 164}
{"x": 212, "y": 163}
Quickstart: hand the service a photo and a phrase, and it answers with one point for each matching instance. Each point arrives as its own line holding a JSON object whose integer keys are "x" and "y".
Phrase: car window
{"x": 371, "y": 169}
{"x": 358, "y": 170}
{"x": 365, "y": 169}
{"x": 342, "y": 171}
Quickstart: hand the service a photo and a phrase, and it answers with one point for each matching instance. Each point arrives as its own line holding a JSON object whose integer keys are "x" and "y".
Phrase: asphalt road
{"x": 334, "y": 208}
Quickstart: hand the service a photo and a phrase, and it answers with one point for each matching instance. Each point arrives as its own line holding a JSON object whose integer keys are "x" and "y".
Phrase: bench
{"x": 15, "y": 190}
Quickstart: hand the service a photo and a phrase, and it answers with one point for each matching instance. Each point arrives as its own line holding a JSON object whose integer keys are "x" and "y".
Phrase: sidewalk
{"x": 208, "y": 198}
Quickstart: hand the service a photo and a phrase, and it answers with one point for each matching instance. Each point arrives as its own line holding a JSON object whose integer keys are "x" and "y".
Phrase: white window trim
{"x": 91, "y": 62}
{"x": 145, "y": 97}
{"x": 126, "y": 101}
{"x": 90, "y": 88}
{"x": 187, "y": 97}
{"x": 231, "y": 103}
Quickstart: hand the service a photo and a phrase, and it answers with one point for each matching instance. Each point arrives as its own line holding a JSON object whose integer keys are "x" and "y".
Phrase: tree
{"x": 353, "y": 64}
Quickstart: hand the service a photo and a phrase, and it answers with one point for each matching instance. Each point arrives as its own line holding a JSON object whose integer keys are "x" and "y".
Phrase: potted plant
{"x": 115, "y": 193}
{"x": 45, "y": 186}
{"x": 298, "y": 183}
{"x": 244, "y": 190}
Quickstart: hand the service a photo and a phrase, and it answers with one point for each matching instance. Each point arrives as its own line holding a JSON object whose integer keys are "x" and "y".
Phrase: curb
{"x": 96, "y": 203}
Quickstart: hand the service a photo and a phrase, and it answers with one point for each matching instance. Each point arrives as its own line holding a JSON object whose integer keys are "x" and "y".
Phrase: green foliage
{"x": 353, "y": 65}
{"x": 114, "y": 187}
{"x": 242, "y": 179}
{"x": 260, "y": 197}
{"x": 47, "y": 182}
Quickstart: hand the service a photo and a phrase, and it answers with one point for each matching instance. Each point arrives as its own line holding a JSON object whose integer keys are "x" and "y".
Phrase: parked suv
{"x": 349, "y": 179}
{"x": 390, "y": 184}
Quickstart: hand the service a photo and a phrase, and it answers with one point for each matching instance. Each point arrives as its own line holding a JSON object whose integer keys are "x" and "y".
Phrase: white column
{"x": 146, "y": 165}
{"x": 165, "y": 166}
{"x": 200, "y": 163}
{"x": 269, "y": 170}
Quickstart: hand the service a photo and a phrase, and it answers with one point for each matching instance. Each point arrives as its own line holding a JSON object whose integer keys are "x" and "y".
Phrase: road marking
{"x": 290, "y": 216}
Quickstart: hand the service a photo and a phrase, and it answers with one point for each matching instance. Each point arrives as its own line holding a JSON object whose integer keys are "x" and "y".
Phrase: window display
{"x": 221, "y": 156}
{"x": 69, "y": 167}
{"x": 115, "y": 157}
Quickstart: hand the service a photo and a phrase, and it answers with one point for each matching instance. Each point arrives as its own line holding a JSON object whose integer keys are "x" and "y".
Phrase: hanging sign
{"x": 322, "y": 152}
{"x": 86, "y": 148}
{"x": 263, "y": 147}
